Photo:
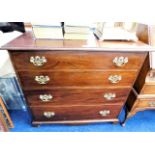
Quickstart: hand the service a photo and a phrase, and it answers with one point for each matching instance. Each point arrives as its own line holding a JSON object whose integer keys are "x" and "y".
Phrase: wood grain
{"x": 72, "y": 97}
{"x": 28, "y": 42}
{"x": 140, "y": 81}
{"x": 75, "y": 122}
{"x": 74, "y": 78}
{"x": 60, "y": 60}
{"x": 75, "y": 112}
{"x": 130, "y": 104}
{"x": 77, "y": 69}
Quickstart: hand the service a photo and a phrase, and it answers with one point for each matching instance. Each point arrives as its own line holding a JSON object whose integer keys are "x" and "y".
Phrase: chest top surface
{"x": 27, "y": 42}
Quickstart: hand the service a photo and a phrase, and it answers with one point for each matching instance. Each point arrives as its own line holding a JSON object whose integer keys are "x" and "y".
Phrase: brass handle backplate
{"x": 38, "y": 61}
{"x": 115, "y": 78}
{"x": 104, "y": 113}
{"x": 42, "y": 79}
{"x": 120, "y": 61}
{"x": 109, "y": 96}
{"x": 49, "y": 114}
{"x": 45, "y": 97}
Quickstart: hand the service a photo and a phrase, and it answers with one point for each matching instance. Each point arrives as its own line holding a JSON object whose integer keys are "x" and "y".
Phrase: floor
{"x": 142, "y": 122}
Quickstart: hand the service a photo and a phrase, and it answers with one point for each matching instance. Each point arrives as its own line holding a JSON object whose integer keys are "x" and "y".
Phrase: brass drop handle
{"x": 38, "y": 61}
{"x": 49, "y": 114}
{"x": 120, "y": 61}
{"x": 115, "y": 78}
{"x": 42, "y": 79}
{"x": 104, "y": 113}
{"x": 152, "y": 104}
{"x": 45, "y": 97}
{"x": 109, "y": 96}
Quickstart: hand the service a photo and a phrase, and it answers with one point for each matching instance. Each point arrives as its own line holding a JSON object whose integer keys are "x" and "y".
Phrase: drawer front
{"x": 146, "y": 103}
{"x": 60, "y": 60}
{"x": 75, "y": 112}
{"x": 76, "y": 96}
{"x": 148, "y": 89}
{"x": 42, "y": 80}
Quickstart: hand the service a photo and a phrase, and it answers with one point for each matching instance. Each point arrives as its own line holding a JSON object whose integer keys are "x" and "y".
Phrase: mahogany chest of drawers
{"x": 76, "y": 82}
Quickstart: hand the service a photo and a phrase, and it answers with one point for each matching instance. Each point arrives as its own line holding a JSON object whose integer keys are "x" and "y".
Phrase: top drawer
{"x": 61, "y": 60}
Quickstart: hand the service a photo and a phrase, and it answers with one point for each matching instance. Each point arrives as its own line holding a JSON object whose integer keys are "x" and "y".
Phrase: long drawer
{"x": 42, "y": 80}
{"x": 60, "y": 60}
{"x": 64, "y": 97}
{"x": 75, "y": 112}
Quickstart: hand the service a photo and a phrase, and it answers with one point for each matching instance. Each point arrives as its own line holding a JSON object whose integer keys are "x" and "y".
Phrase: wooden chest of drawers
{"x": 75, "y": 82}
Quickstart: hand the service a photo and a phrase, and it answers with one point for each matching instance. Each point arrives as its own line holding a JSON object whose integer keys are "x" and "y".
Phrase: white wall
{"x": 6, "y": 68}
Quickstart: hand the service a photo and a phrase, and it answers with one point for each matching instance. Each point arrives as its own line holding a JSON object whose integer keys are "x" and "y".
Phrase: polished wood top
{"x": 27, "y": 42}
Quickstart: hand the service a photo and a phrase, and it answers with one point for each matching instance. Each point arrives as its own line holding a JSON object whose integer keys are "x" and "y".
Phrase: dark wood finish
{"x": 65, "y": 97}
{"x": 75, "y": 122}
{"x": 79, "y": 72}
{"x": 142, "y": 75}
{"x": 131, "y": 100}
{"x": 27, "y": 42}
{"x": 76, "y": 112}
{"x": 129, "y": 106}
{"x": 78, "y": 78}
{"x": 60, "y": 60}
